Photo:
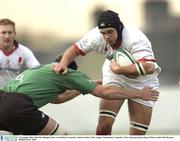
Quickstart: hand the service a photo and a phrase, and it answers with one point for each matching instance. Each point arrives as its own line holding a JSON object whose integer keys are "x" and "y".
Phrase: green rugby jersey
{"x": 42, "y": 85}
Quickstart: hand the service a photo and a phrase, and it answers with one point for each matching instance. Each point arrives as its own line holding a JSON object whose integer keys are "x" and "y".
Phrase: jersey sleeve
{"x": 29, "y": 58}
{"x": 79, "y": 81}
{"x": 91, "y": 41}
{"x": 142, "y": 51}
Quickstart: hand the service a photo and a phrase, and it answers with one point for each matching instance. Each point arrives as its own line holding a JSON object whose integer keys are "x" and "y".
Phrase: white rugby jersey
{"x": 12, "y": 63}
{"x": 132, "y": 39}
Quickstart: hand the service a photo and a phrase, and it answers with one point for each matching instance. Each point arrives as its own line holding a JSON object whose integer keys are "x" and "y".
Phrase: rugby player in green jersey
{"x": 21, "y": 98}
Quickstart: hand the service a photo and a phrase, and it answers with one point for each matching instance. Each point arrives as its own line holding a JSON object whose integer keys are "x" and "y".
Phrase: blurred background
{"x": 48, "y": 27}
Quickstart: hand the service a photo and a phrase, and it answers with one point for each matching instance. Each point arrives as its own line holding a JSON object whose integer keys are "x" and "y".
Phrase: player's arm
{"x": 67, "y": 58}
{"x": 70, "y": 94}
{"x": 115, "y": 93}
{"x": 66, "y": 96}
{"x": 139, "y": 68}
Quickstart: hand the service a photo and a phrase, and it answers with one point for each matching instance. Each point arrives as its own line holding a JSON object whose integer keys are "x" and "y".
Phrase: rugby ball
{"x": 123, "y": 57}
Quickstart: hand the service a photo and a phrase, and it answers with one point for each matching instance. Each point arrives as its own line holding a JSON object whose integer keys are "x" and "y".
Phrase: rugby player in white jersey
{"x": 110, "y": 35}
{"x": 12, "y": 54}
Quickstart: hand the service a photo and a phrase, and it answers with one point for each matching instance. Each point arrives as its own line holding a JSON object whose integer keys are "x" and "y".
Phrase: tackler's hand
{"x": 149, "y": 94}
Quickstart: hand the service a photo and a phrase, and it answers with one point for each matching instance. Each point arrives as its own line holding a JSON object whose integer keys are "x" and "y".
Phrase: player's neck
{"x": 117, "y": 44}
{"x": 7, "y": 49}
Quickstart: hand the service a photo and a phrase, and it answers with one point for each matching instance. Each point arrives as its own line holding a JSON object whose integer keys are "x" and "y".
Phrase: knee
{"x": 106, "y": 120}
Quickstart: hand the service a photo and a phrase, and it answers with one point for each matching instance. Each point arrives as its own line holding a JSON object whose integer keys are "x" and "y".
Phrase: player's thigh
{"x": 113, "y": 105}
{"x": 139, "y": 113}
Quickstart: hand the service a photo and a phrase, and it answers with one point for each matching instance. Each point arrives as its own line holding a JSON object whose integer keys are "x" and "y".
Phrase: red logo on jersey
{"x": 20, "y": 60}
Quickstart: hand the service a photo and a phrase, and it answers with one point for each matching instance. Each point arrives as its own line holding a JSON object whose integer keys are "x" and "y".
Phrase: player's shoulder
{"x": 23, "y": 48}
{"x": 133, "y": 33}
{"x": 131, "y": 30}
{"x": 94, "y": 33}
{"x": 92, "y": 37}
